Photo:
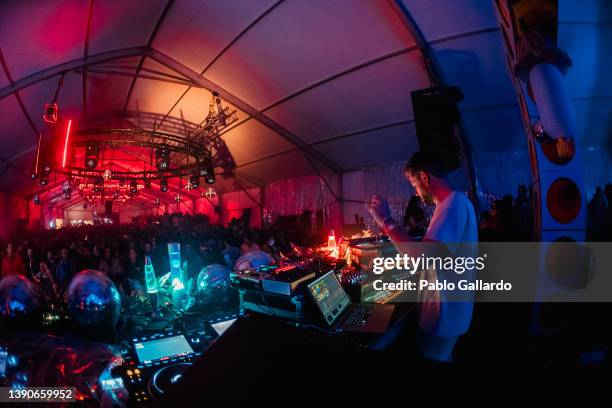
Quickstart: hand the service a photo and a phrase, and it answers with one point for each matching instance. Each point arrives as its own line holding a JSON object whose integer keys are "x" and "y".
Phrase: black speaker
{"x": 108, "y": 207}
{"x": 435, "y": 115}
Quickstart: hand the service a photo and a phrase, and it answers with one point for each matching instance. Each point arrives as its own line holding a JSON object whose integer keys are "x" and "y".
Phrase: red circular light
{"x": 559, "y": 151}
{"x": 563, "y": 200}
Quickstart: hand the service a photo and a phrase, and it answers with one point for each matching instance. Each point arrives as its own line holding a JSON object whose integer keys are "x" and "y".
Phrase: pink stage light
{"x": 66, "y": 143}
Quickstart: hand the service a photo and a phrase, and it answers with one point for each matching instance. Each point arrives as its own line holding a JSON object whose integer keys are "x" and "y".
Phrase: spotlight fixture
{"x": 43, "y": 180}
{"x": 98, "y": 184}
{"x": 36, "y": 199}
{"x": 134, "y": 187}
{"x": 203, "y": 171}
{"x": 92, "y": 151}
{"x": 163, "y": 185}
{"x": 50, "y": 115}
{"x": 205, "y": 166}
{"x": 46, "y": 168}
{"x": 210, "y": 179}
{"x": 162, "y": 158}
{"x": 107, "y": 175}
{"x": 194, "y": 181}
{"x": 67, "y": 189}
{"x": 33, "y": 175}
{"x": 177, "y": 198}
{"x": 147, "y": 183}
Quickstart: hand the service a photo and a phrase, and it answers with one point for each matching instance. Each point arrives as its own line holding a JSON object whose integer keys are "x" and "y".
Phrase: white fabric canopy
{"x": 334, "y": 75}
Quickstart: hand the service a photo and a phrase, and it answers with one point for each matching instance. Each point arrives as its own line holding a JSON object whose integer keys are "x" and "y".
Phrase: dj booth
{"x": 278, "y": 324}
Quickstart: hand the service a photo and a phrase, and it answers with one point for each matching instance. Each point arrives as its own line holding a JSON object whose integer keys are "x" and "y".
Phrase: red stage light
{"x": 66, "y": 143}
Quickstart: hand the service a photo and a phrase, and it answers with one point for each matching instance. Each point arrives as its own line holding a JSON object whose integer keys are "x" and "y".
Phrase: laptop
{"x": 338, "y": 311}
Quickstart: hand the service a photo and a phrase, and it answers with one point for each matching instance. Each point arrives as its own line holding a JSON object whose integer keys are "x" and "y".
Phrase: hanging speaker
{"x": 436, "y": 118}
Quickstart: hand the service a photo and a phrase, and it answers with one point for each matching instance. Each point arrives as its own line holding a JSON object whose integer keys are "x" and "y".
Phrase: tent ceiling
{"x": 334, "y": 77}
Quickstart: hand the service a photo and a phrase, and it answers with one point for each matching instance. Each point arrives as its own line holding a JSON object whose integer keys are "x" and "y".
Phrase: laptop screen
{"x": 329, "y": 296}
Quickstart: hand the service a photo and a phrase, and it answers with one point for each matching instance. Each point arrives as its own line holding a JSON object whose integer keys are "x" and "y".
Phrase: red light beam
{"x": 37, "y": 153}
{"x": 66, "y": 143}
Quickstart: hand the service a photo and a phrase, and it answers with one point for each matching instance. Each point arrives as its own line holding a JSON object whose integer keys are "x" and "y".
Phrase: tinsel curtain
{"x": 497, "y": 174}
{"x": 390, "y": 183}
{"x": 500, "y": 173}
{"x": 597, "y": 169}
{"x": 293, "y": 196}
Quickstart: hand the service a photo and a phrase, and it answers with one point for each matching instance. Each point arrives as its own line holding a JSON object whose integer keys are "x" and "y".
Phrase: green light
{"x": 150, "y": 280}
{"x": 174, "y": 255}
{"x": 164, "y": 279}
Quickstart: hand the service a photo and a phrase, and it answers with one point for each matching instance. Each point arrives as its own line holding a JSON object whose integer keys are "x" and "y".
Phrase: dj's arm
{"x": 379, "y": 208}
{"x": 395, "y": 232}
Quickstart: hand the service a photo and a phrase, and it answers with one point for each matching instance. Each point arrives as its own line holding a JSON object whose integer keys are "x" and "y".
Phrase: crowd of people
{"x": 50, "y": 258}
{"x": 599, "y": 210}
{"x": 509, "y": 218}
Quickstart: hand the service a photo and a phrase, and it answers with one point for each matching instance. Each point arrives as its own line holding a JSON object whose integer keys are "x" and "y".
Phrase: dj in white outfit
{"x": 454, "y": 221}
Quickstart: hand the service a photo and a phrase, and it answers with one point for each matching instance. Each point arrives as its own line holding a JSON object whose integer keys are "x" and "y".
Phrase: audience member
{"x": 415, "y": 220}
{"x": 12, "y": 263}
{"x": 597, "y": 211}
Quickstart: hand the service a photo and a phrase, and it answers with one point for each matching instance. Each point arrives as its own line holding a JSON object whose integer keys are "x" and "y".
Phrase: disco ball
{"x": 18, "y": 297}
{"x": 253, "y": 260}
{"x": 93, "y": 300}
{"x": 213, "y": 277}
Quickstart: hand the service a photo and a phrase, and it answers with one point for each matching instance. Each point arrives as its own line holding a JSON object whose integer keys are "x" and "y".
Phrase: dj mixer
{"x": 154, "y": 363}
{"x": 122, "y": 372}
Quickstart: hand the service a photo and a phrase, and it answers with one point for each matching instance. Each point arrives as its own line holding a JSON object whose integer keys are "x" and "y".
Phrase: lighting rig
{"x": 192, "y": 151}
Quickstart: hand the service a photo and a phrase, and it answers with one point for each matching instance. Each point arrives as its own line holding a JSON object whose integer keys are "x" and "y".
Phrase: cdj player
{"x": 155, "y": 363}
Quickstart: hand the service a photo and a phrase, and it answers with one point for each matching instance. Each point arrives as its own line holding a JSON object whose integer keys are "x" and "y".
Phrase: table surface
{"x": 403, "y": 317}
